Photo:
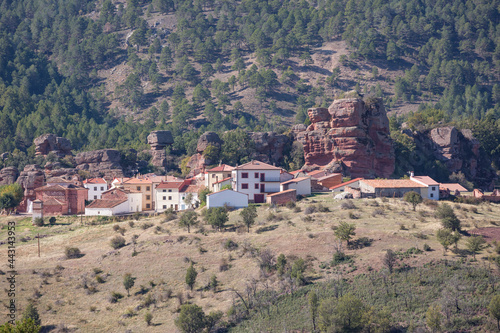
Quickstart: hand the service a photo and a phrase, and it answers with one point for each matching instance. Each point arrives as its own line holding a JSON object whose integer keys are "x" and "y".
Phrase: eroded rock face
{"x": 160, "y": 139}
{"x": 47, "y": 143}
{"x": 104, "y": 162}
{"x": 269, "y": 146}
{"x": 8, "y": 175}
{"x": 30, "y": 178}
{"x": 208, "y": 139}
{"x": 196, "y": 164}
{"x": 355, "y": 133}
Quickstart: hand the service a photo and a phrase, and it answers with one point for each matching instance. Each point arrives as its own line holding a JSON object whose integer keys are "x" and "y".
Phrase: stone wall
{"x": 281, "y": 198}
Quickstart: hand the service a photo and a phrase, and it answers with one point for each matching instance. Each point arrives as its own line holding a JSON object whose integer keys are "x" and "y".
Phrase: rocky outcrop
{"x": 158, "y": 140}
{"x": 351, "y": 131}
{"x": 47, "y": 143}
{"x": 269, "y": 146}
{"x": 30, "y": 178}
{"x": 104, "y": 163}
{"x": 208, "y": 139}
{"x": 8, "y": 175}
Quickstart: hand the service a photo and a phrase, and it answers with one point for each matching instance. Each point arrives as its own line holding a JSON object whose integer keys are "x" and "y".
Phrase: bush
{"x": 230, "y": 245}
{"x": 323, "y": 209}
{"x": 146, "y": 225}
{"x": 72, "y": 253}
{"x": 52, "y": 220}
{"x": 348, "y": 204}
{"x": 290, "y": 205}
{"x": 114, "y": 297}
{"x": 427, "y": 247}
{"x": 38, "y": 222}
{"x": 117, "y": 242}
{"x": 310, "y": 209}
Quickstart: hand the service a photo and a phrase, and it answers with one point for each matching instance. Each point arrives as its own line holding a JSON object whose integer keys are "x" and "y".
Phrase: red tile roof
{"x": 425, "y": 180}
{"x": 221, "y": 168}
{"x": 346, "y": 183}
{"x": 282, "y": 192}
{"x": 329, "y": 176}
{"x": 392, "y": 183}
{"x": 171, "y": 185}
{"x": 137, "y": 181}
{"x": 58, "y": 180}
{"x": 295, "y": 180}
{"x": 52, "y": 202}
{"x": 95, "y": 181}
{"x": 104, "y": 203}
{"x": 452, "y": 187}
{"x": 256, "y": 165}
{"x": 227, "y": 189}
{"x": 191, "y": 189}
{"x": 220, "y": 181}
{"x": 315, "y": 172}
{"x": 295, "y": 172}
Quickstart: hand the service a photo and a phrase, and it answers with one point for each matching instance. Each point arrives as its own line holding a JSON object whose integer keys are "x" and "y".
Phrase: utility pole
{"x": 38, "y": 245}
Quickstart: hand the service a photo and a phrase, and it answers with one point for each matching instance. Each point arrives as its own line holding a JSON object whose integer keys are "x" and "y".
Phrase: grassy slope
{"x": 64, "y": 300}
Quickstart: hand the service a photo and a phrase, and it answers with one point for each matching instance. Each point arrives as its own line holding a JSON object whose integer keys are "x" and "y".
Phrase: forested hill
{"x": 105, "y": 73}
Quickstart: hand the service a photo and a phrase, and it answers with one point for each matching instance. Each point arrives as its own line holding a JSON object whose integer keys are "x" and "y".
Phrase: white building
{"x": 227, "y": 198}
{"x": 173, "y": 195}
{"x": 116, "y": 201}
{"x": 256, "y": 178}
{"x": 431, "y": 189}
{"x": 302, "y": 185}
{"x": 96, "y": 187}
{"x": 354, "y": 183}
{"x": 217, "y": 186}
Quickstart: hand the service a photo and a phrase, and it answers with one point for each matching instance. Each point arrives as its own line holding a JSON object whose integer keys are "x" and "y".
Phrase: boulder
{"x": 269, "y": 146}
{"x": 160, "y": 139}
{"x": 8, "y": 175}
{"x": 47, "y": 143}
{"x": 100, "y": 163}
{"x": 208, "y": 139}
{"x": 159, "y": 159}
{"x": 355, "y": 132}
{"x": 196, "y": 164}
{"x": 30, "y": 178}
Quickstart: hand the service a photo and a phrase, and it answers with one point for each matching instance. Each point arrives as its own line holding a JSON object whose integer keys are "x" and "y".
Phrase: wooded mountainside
{"x": 104, "y": 74}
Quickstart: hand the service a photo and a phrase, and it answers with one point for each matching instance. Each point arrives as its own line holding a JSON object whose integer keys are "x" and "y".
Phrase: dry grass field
{"x": 76, "y": 292}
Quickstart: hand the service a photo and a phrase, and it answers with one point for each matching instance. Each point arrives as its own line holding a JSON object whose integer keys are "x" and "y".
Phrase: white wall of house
{"x": 167, "y": 198}
{"x": 302, "y": 187}
{"x": 182, "y": 202}
{"x": 118, "y": 209}
{"x": 95, "y": 190}
{"x": 227, "y": 197}
{"x": 134, "y": 202}
{"x": 253, "y": 182}
{"x": 217, "y": 187}
{"x": 430, "y": 191}
{"x": 342, "y": 188}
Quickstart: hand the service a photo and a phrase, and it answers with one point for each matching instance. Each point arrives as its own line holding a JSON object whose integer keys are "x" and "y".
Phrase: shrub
{"x": 52, "y": 220}
{"x": 72, "y": 253}
{"x": 146, "y": 225}
{"x": 148, "y": 317}
{"x": 131, "y": 224}
{"x": 427, "y": 247}
{"x": 353, "y": 216}
{"x": 230, "y": 245}
{"x": 297, "y": 209}
{"x": 348, "y": 204}
{"x": 114, "y": 297}
{"x": 310, "y": 209}
{"x": 378, "y": 211}
{"x": 290, "y": 205}
{"x": 323, "y": 209}
{"x": 38, "y": 222}
{"x": 117, "y": 242}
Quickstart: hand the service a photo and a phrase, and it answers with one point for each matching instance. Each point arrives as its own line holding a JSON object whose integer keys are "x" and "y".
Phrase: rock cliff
{"x": 8, "y": 175}
{"x": 104, "y": 163}
{"x": 352, "y": 131}
{"x": 47, "y": 143}
{"x": 158, "y": 140}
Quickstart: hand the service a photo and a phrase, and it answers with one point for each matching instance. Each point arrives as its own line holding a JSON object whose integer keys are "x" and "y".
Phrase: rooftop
{"x": 329, "y": 176}
{"x": 58, "y": 180}
{"x": 346, "y": 183}
{"x": 228, "y": 189}
{"x": 223, "y": 180}
{"x": 104, "y": 203}
{"x": 392, "y": 183}
{"x": 221, "y": 168}
{"x": 282, "y": 192}
{"x": 124, "y": 190}
{"x": 137, "y": 181}
{"x": 95, "y": 181}
{"x": 170, "y": 185}
{"x": 426, "y": 180}
{"x": 256, "y": 165}
{"x": 295, "y": 180}
{"x": 452, "y": 187}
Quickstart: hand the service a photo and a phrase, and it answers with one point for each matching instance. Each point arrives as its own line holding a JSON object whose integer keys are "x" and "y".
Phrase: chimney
{"x": 412, "y": 174}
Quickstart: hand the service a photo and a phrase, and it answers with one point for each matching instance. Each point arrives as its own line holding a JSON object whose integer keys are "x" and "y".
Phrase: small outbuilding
{"x": 227, "y": 197}
{"x": 302, "y": 185}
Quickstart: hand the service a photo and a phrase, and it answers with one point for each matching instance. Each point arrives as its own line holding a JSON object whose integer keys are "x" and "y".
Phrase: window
{"x": 244, "y": 175}
{"x": 148, "y": 206}
{"x": 102, "y": 188}
{"x": 147, "y": 188}
{"x": 170, "y": 190}
{"x": 244, "y": 186}
{"x": 95, "y": 188}
{"x": 213, "y": 175}
{"x": 169, "y": 198}
{"x": 257, "y": 186}
{"x": 148, "y": 197}
{"x": 95, "y": 197}
{"x": 164, "y": 206}
{"x": 164, "y": 198}
{"x": 164, "y": 191}
{"x": 432, "y": 195}
{"x": 256, "y": 175}
{"x": 434, "y": 188}
{"x": 138, "y": 188}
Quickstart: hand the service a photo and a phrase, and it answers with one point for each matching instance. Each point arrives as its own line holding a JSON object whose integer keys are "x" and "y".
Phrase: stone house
{"x": 116, "y": 201}
{"x": 62, "y": 200}
{"x": 96, "y": 187}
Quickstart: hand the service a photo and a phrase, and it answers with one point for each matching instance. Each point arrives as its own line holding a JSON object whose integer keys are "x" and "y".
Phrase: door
{"x": 262, "y": 177}
{"x": 262, "y": 188}
{"x": 258, "y": 198}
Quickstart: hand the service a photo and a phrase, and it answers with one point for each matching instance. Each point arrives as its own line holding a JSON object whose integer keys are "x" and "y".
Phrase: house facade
{"x": 116, "y": 201}
{"x": 145, "y": 186}
{"x": 256, "y": 179}
{"x": 216, "y": 175}
{"x": 430, "y": 189}
{"x": 302, "y": 185}
{"x": 62, "y": 200}
{"x": 96, "y": 187}
{"x": 389, "y": 187}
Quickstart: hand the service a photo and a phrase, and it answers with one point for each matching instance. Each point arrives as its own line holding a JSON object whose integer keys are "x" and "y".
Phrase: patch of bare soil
{"x": 490, "y": 234}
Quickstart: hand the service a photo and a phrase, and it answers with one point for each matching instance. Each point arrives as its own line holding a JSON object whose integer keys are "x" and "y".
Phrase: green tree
{"x": 214, "y": 283}
{"x": 445, "y": 238}
{"x": 390, "y": 260}
{"x": 281, "y": 264}
{"x": 191, "y": 319}
{"x": 31, "y": 312}
{"x": 343, "y": 315}
{"x": 448, "y": 218}
{"x": 249, "y": 214}
{"x": 413, "y": 198}
{"x": 10, "y": 196}
{"x": 128, "y": 282}
{"x": 433, "y": 318}
{"x": 26, "y": 325}
{"x": 297, "y": 271}
{"x": 202, "y": 195}
{"x": 345, "y": 231}
{"x": 217, "y": 217}
{"x": 494, "y": 309}
{"x": 313, "y": 307}
{"x": 191, "y": 275}
{"x": 188, "y": 219}
{"x": 475, "y": 244}
{"x": 148, "y": 317}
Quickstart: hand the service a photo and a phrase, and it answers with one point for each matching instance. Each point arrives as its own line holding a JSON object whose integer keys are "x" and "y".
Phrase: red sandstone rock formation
{"x": 8, "y": 175}
{"x": 351, "y": 131}
{"x": 47, "y": 143}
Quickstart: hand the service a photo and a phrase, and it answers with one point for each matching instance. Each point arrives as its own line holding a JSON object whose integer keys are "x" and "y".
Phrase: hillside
{"x": 76, "y": 293}
{"x": 105, "y": 73}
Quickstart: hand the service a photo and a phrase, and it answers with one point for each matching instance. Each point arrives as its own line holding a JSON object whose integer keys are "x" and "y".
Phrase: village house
{"x": 447, "y": 189}
{"x": 116, "y": 201}
{"x": 430, "y": 189}
{"x": 145, "y": 186}
{"x": 228, "y": 198}
{"x": 64, "y": 199}
{"x": 217, "y": 186}
{"x": 394, "y": 188}
{"x": 353, "y": 183}
{"x": 282, "y": 198}
{"x": 302, "y": 185}
{"x": 175, "y": 195}
{"x": 256, "y": 179}
{"x": 96, "y": 187}
{"x": 216, "y": 175}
